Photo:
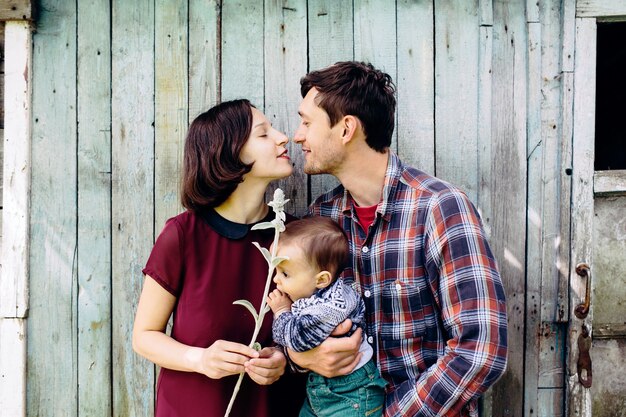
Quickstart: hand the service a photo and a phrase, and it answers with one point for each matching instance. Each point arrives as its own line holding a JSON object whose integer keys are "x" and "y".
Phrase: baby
{"x": 309, "y": 302}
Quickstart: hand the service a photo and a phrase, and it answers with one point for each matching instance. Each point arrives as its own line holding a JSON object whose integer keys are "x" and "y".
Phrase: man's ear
{"x": 323, "y": 279}
{"x": 349, "y": 126}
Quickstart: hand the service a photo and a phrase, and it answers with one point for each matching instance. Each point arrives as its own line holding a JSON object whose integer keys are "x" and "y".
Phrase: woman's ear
{"x": 323, "y": 279}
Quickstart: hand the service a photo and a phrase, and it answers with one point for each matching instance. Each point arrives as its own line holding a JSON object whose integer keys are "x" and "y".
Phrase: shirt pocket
{"x": 402, "y": 311}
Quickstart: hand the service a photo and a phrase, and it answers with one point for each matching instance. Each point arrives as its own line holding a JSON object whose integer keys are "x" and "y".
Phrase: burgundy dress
{"x": 207, "y": 262}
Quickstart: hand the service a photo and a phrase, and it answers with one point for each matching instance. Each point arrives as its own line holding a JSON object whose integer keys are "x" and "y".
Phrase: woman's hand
{"x": 221, "y": 359}
{"x": 335, "y": 356}
{"x": 268, "y": 367}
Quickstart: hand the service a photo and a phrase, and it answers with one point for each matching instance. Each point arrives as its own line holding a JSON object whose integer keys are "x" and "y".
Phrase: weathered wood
{"x": 535, "y": 155}
{"x": 171, "y": 118}
{"x": 485, "y": 139}
{"x": 508, "y": 185}
{"x": 609, "y": 263}
{"x": 600, "y": 8}
{"x": 204, "y": 56}
{"x": 456, "y": 95}
{"x": 609, "y": 182}
{"x": 16, "y": 173}
{"x": 94, "y": 205}
{"x": 13, "y": 367}
{"x": 579, "y": 398}
{"x": 242, "y": 42}
{"x": 485, "y": 12}
{"x": 52, "y": 319}
{"x": 567, "y": 127}
{"x": 568, "y": 34}
{"x": 375, "y": 39}
{"x": 416, "y": 84}
{"x": 14, "y": 219}
{"x": 285, "y": 62}
{"x": 17, "y": 10}
{"x": 330, "y": 41}
{"x": 132, "y": 204}
{"x": 609, "y": 331}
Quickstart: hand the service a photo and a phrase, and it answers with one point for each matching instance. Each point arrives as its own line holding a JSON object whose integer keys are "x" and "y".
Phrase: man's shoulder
{"x": 327, "y": 201}
{"x": 423, "y": 182}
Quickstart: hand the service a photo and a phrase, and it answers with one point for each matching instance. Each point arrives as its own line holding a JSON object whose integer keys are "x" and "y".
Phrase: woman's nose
{"x": 281, "y": 139}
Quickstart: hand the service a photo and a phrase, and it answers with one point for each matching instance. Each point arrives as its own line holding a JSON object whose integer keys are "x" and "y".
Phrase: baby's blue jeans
{"x": 359, "y": 394}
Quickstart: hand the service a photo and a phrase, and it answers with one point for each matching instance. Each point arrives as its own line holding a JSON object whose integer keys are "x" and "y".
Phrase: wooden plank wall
{"x": 116, "y": 84}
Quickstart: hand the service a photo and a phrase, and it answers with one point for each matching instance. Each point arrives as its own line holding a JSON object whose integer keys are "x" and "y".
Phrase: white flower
{"x": 278, "y": 203}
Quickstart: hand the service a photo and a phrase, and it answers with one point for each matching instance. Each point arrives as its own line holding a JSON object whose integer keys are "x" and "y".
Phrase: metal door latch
{"x": 584, "y": 358}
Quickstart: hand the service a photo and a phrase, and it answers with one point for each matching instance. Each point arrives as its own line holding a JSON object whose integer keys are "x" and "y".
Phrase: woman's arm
{"x": 220, "y": 359}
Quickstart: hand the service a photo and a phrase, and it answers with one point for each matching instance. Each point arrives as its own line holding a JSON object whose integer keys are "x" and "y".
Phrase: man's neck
{"x": 363, "y": 175}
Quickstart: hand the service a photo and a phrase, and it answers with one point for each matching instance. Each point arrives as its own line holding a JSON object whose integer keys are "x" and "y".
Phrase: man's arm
{"x": 465, "y": 280}
{"x": 335, "y": 356}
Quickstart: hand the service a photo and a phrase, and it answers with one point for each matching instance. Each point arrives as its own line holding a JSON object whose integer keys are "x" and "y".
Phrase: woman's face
{"x": 265, "y": 149}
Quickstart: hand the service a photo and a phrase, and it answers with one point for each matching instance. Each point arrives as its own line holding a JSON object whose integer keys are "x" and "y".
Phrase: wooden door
{"x": 597, "y": 330}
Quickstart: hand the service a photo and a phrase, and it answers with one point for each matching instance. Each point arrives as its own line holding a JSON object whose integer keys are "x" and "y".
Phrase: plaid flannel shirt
{"x": 435, "y": 306}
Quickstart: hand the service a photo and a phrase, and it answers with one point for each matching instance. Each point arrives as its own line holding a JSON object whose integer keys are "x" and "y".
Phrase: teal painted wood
{"x": 331, "y": 40}
{"x": 204, "y": 60}
{"x": 551, "y": 350}
{"x": 171, "y": 106}
{"x": 508, "y": 185}
{"x": 285, "y": 45}
{"x": 535, "y": 150}
{"x": 94, "y": 208}
{"x": 456, "y": 93}
{"x": 52, "y": 320}
{"x": 375, "y": 39}
{"x": 242, "y": 51}
{"x": 416, "y": 84}
{"x": 132, "y": 207}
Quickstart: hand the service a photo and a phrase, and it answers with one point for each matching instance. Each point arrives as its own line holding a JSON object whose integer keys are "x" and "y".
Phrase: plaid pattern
{"x": 434, "y": 298}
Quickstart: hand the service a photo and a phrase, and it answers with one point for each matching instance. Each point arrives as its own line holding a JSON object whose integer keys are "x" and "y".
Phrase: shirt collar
{"x": 392, "y": 176}
{"x": 227, "y": 228}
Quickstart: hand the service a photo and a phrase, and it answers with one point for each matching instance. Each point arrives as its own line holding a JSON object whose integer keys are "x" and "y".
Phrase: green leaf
{"x": 257, "y": 346}
{"x": 278, "y": 259}
{"x": 250, "y": 308}
{"x": 264, "y": 225}
{"x": 266, "y": 254}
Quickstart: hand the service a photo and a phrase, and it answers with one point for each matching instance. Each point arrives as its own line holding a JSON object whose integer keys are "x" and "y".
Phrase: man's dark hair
{"x": 357, "y": 89}
{"x": 322, "y": 241}
{"x": 212, "y": 168}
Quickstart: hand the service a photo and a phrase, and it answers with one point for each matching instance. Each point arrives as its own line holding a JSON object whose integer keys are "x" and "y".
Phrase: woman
{"x": 203, "y": 260}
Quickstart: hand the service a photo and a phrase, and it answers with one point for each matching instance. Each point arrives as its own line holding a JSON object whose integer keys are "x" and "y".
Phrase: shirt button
{"x": 398, "y": 287}
{"x": 370, "y": 339}
{"x": 367, "y": 293}
{"x": 365, "y": 249}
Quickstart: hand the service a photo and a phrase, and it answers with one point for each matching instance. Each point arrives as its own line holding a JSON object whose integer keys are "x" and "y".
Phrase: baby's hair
{"x": 323, "y": 242}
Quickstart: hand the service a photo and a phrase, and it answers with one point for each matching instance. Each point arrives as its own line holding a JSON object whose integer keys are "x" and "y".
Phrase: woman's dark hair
{"x": 357, "y": 89}
{"x": 321, "y": 240}
{"x": 212, "y": 168}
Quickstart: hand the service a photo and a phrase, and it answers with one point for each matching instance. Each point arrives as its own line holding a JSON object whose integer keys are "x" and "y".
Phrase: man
{"x": 435, "y": 309}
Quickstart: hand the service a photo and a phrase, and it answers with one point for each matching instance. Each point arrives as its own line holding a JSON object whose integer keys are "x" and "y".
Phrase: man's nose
{"x": 298, "y": 137}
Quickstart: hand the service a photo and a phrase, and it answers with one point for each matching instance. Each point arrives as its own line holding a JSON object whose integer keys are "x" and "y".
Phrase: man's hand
{"x": 268, "y": 367}
{"x": 279, "y": 302}
{"x": 335, "y": 356}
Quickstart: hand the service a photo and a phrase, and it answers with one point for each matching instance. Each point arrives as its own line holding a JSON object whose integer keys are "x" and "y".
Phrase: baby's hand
{"x": 279, "y": 302}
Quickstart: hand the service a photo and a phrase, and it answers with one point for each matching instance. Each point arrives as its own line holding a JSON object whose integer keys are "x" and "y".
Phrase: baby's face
{"x": 295, "y": 276}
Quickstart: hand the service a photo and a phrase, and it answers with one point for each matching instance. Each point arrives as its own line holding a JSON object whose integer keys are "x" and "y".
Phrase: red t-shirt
{"x": 365, "y": 216}
{"x": 207, "y": 262}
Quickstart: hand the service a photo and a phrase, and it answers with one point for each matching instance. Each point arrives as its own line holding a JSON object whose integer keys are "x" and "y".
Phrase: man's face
{"x": 321, "y": 143}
